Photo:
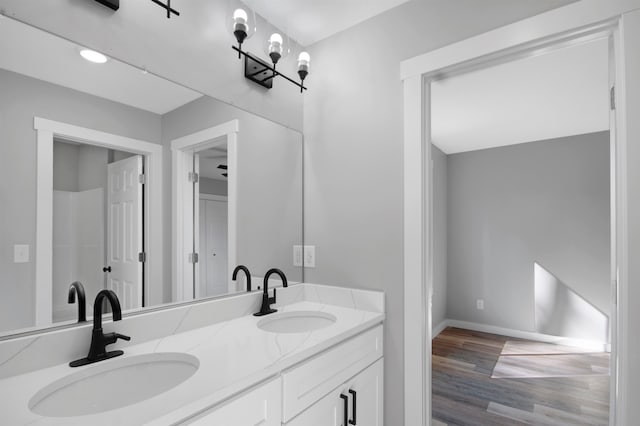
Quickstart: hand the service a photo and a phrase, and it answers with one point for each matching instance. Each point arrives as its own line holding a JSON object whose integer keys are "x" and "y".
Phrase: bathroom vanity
{"x": 317, "y": 361}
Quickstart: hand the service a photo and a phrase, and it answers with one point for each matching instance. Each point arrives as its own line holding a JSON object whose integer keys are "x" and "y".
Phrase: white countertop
{"x": 234, "y": 355}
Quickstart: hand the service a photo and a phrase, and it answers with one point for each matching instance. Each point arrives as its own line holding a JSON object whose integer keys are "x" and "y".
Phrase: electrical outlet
{"x": 480, "y": 304}
{"x": 297, "y": 255}
{"x": 309, "y": 256}
{"x": 21, "y": 253}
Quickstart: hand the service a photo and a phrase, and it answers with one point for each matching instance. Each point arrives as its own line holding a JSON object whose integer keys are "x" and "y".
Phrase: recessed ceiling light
{"x": 93, "y": 56}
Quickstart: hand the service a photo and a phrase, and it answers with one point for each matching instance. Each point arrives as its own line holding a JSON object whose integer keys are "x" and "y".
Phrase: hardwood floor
{"x": 484, "y": 379}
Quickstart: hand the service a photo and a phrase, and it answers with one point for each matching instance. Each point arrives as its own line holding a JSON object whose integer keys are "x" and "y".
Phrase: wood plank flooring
{"x": 538, "y": 383}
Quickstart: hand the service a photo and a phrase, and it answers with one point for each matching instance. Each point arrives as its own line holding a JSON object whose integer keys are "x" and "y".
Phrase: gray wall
{"x": 508, "y": 207}
{"x": 269, "y": 184}
{"x": 65, "y": 166}
{"x": 213, "y": 186}
{"x": 22, "y": 99}
{"x": 440, "y": 190}
{"x": 353, "y": 149}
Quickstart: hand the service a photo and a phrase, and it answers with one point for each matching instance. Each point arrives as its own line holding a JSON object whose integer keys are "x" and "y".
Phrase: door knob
{"x": 106, "y": 269}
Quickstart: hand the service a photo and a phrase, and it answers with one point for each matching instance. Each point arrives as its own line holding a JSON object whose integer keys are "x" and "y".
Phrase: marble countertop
{"x": 234, "y": 355}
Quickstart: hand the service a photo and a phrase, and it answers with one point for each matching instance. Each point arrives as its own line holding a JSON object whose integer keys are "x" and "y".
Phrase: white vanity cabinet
{"x": 312, "y": 389}
{"x": 262, "y": 405}
{"x": 314, "y": 392}
{"x": 356, "y": 402}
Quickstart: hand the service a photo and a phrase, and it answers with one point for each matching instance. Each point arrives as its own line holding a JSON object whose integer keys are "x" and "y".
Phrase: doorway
{"x": 97, "y": 224}
{"x": 534, "y": 35}
{"x": 204, "y": 181}
{"x": 148, "y": 219}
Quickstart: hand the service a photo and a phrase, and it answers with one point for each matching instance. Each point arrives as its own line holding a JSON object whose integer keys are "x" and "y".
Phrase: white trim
{"x": 96, "y": 137}
{"x": 44, "y": 229}
{"x": 214, "y": 197}
{"x": 46, "y": 131}
{"x": 183, "y": 148}
{"x": 196, "y": 141}
{"x": 528, "y": 335}
{"x": 416, "y": 322}
{"x": 522, "y": 38}
{"x": 537, "y": 29}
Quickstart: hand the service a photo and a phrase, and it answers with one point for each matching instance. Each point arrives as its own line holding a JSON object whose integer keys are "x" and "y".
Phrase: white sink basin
{"x": 112, "y": 384}
{"x": 296, "y": 322}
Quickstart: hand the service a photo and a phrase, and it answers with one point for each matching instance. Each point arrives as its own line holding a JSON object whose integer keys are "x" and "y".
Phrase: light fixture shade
{"x": 303, "y": 65}
{"x": 275, "y": 47}
{"x": 93, "y": 56}
{"x": 241, "y": 21}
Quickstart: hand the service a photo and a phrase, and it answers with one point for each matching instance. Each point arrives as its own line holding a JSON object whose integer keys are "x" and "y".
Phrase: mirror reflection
{"x": 119, "y": 179}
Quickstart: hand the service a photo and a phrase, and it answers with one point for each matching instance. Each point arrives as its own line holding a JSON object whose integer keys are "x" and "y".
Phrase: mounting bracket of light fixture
{"x": 262, "y": 73}
{"x": 111, "y": 4}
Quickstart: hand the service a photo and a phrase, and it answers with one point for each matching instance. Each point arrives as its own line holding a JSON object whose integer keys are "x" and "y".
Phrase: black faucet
{"x": 266, "y": 308}
{"x": 77, "y": 288}
{"x": 99, "y": 341}
{"x": 246, "y": 272}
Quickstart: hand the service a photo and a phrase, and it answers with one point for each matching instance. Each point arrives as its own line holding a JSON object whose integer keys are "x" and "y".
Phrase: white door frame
{"x": 530, "y": 36}
{"x": 180, "y": 148}
{"x": 46, "y": 131}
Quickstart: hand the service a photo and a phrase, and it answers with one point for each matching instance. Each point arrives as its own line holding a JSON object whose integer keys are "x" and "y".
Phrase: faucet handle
{"x": 123, "y": 337}
{"x": 273, "y": 299}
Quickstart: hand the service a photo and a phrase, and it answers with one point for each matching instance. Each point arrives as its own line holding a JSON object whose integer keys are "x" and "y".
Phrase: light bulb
{"x": 240, "y": 16}
{"x": 275, "y": 38}
{"x": 304, "y": 58}
{"x": 93, "y": 56}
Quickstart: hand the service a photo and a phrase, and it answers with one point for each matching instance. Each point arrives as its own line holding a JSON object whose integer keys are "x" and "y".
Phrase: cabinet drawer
{"x": 312, "y": 380}
{"x": 259, "y": 406}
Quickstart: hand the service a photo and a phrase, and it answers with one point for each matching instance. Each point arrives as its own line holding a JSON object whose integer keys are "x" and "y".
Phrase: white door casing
{"x": 124, "y": 230}
{"x": 46, "y": 131}
{"x": 621, "y": 19}
{"x": 183, "y": 235}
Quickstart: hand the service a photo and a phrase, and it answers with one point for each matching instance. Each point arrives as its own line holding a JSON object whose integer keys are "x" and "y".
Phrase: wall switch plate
{"x": 21, "y": 253}
{"x": 480, "y": 304}
{"x": 309, "y": 256}
{"x": 297, "y": 255}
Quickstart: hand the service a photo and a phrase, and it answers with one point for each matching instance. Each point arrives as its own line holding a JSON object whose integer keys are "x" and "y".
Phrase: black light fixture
{"x": 167, "y": 7}
{"x": 257, "y": 70}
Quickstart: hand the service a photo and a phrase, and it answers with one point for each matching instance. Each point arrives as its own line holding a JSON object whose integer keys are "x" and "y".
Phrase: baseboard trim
{"x": 439, "y": 328}
{"x": 529, "y": 335}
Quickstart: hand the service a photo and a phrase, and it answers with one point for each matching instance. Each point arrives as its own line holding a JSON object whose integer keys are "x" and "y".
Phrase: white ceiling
{"x": 46, "y": 57}
{"x": 309, "y": 21}
{"x": 561, "y": 93}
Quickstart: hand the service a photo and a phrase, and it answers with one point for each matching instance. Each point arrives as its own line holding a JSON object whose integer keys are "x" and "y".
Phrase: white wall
{"x": 512, "y": 207}
{"x": 22, "y": 99}
{"x": 353, "y": 150}
{"x": 193, "y": 49}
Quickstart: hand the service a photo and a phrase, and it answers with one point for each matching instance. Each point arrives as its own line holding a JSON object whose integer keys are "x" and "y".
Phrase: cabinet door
{"x": 366, "y": 397}
{"x": 260, "y": 406}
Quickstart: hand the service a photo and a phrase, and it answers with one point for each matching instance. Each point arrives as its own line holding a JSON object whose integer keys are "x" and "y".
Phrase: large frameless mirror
{"x": 116, "y": 178}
